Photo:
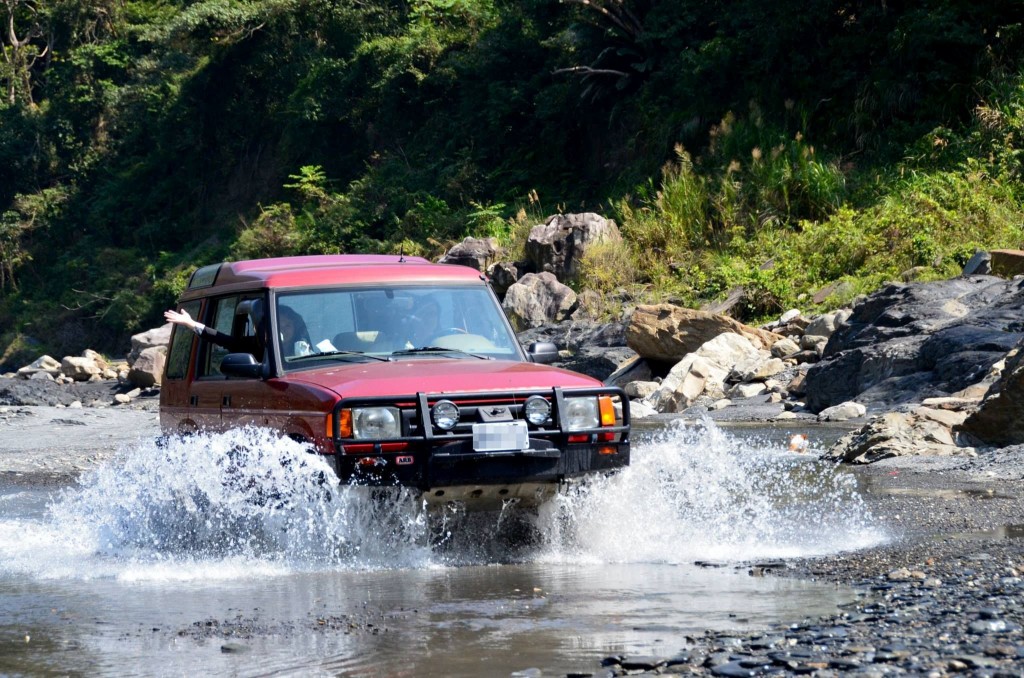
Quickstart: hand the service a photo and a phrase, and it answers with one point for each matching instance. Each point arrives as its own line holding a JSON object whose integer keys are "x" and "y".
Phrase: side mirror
{"x": 543, "y": 352}
{"x": 241, "y": 365}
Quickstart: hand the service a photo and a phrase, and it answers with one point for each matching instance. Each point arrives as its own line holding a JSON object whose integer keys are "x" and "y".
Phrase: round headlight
{"x": 445, "y": 414}
{"x": 536, "y": 410}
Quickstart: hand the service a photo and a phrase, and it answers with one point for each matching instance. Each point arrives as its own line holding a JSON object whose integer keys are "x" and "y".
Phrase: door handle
{"x": 193, "y": 401}
{"x": 225, "y": 401}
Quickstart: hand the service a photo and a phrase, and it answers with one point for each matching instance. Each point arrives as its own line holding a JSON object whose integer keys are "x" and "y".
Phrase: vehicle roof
{"x": 323, "y": 269}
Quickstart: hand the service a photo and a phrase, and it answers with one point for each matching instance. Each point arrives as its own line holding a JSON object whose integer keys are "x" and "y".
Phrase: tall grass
{"x": 763, "y": 210}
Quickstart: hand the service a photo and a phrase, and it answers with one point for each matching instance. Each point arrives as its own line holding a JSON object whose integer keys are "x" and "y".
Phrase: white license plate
{"x": 504, "y": 436}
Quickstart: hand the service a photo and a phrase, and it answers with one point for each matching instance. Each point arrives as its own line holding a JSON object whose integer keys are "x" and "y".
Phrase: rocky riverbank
{"x": 944, "y": 597}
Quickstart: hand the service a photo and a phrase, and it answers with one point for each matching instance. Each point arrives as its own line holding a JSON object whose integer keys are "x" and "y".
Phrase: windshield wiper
{"x": 439, "y": 349}
{"x": 328, "y": 354}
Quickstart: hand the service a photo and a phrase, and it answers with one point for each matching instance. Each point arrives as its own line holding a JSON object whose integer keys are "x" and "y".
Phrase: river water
{"x": 236, "y": 554}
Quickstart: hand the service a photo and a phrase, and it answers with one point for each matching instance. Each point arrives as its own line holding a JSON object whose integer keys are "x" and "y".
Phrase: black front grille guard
{"x": 415, "y": 414}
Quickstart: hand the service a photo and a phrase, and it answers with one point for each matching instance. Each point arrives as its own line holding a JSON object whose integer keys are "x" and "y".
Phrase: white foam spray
{"x": 249, "y": 503}
{"x": 698, "y": 493}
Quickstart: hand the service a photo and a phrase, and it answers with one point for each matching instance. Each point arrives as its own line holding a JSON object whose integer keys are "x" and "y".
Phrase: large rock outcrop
{"x": 667, "y": 333}
{"x": 1000, "y": 418}
{"x": 558, "y": 245}
{"x": 898, "y": 434}
{"x": 913, "y": 341}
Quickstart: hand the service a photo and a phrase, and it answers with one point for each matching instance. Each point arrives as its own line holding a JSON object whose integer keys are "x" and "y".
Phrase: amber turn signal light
{"x": 607, "y": 411}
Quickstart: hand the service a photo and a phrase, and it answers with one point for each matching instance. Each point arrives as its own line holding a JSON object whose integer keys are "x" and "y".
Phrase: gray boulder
{"x": 50, "y": 366}
{"x": 979, "y": 264}
{"x": 595, "y": 349}
{"x": 912, "y": 341}
{"x": 148, "y": 368}
{"x": 478, "y": 253}
{"x": 158, "y": 336}
{"x": 538, "y": 298}
{"x": 558, "y": 245}
{"x": 1000, "y": 418}
{"x": 502, "y": 275}
{"x": 897, "y": 434}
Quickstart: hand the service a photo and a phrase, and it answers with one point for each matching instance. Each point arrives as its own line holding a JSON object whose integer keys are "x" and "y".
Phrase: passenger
{"x": 293, "y": 335}
{"x": 232, "y": 344}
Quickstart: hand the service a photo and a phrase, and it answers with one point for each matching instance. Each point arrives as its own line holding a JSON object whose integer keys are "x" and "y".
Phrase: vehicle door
{"x": 175, "y": 403}
{"x": 228, "y": 402}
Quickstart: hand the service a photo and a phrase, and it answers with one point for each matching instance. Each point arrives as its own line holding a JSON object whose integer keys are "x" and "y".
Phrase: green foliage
{"x": 135, "y": 137}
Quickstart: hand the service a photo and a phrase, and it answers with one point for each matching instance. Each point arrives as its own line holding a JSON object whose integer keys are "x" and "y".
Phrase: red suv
{"x": 400, "y": 370}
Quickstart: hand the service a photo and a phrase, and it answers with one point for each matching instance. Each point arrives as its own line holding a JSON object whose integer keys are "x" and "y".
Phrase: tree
{"x": 22, "y": 52}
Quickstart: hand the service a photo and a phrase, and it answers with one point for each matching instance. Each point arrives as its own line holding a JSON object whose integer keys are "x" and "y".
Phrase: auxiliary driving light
{"x": 445, "y": 414}
{"x": 536, "y": 410}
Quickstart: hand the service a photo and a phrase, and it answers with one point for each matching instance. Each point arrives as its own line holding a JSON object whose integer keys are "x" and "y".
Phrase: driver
{"x": 426, "y": 324}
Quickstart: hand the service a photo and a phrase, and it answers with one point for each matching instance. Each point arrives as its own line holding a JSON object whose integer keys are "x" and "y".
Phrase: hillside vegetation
{"x": 781, "y": 146}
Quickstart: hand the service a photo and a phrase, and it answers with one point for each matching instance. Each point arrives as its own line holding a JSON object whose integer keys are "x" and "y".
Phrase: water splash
{"x": 249, "y": 503}
{"x": 223, "y": 505}
{"x": 698, "y": 493}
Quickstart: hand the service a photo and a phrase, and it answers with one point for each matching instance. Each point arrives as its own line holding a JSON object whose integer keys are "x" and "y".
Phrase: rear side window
{"x": 223, "y": 318}
{"x": 181, "y": 345}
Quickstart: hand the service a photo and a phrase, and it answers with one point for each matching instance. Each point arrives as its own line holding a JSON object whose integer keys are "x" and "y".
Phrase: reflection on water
{"x": 168, "y": 553}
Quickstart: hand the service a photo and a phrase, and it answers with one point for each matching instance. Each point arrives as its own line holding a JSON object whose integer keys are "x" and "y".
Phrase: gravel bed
{"x": 945, "y": 597}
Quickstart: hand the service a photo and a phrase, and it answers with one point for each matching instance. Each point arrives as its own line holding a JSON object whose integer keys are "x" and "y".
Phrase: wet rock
{"x": 895, "y": 434}
{"x": 739, "y": 669}
{"x": 641, "y": 663}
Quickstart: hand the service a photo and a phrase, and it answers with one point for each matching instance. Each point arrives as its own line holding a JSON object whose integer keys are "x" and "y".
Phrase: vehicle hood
{"x": 408, "y": 377}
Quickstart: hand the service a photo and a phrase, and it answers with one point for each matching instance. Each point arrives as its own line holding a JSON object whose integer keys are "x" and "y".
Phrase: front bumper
{"x": 445, "y": 466}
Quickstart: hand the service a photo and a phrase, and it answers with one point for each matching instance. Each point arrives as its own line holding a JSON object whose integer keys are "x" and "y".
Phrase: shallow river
{"x": 229, "y": 555}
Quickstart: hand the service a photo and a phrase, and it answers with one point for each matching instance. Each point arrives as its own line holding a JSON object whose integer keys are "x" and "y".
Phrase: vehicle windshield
{"x": 349, "y": 324}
